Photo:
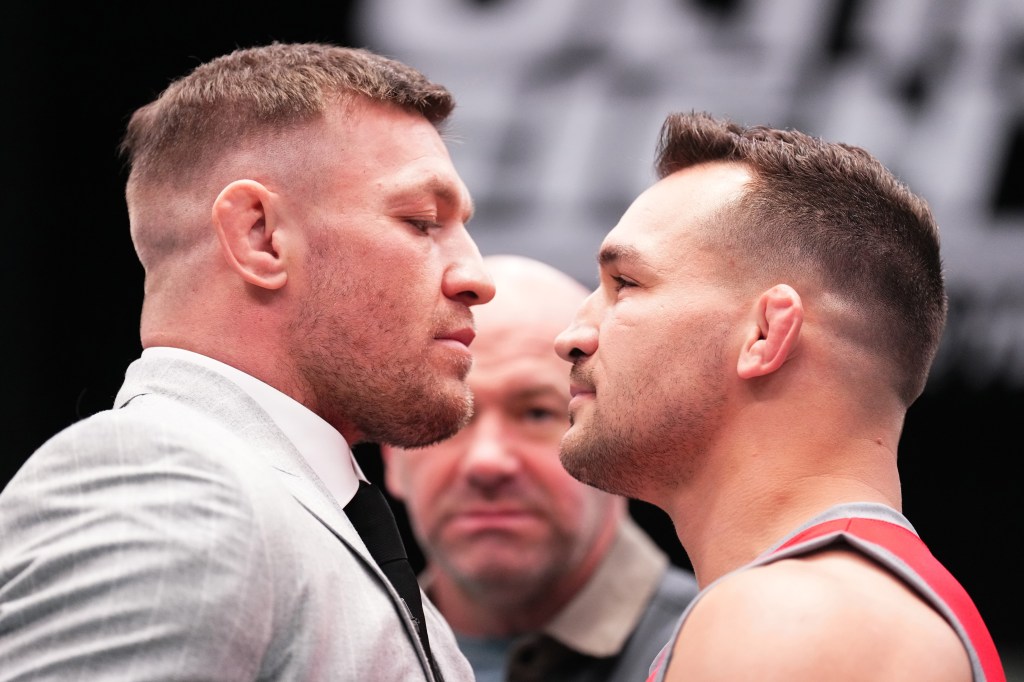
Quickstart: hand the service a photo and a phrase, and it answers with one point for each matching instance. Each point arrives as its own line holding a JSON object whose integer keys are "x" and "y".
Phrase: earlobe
{"x": 248, "y": 233}
{"x": 773, "y": 337}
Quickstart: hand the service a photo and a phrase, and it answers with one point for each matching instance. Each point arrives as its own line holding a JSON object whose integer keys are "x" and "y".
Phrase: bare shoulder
{"x": 835, "y": 615}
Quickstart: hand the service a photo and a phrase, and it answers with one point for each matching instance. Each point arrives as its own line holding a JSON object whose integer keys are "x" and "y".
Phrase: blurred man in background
{"x": 540, "y": 576}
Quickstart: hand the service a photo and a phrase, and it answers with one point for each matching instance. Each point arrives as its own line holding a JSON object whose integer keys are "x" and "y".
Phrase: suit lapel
{"x": 217, "y": 396}
{"x": 311, "y": 494}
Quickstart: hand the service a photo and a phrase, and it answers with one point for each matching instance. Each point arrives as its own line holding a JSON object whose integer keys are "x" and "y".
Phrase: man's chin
{"x": 515, "y": 576}
{"x": 581, "y": 457}
{"x": 426, "y": 428}
{"x": 572, "y": 449}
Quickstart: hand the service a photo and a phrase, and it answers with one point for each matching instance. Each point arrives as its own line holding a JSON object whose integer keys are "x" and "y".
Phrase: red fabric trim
{"x": 912, "y": 550}
{"x": 660, "y": 661}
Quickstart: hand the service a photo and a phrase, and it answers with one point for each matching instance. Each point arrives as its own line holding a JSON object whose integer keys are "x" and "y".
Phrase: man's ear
{"x": 773, "y": 336}
{"x": 393, "y": 461}
{"x": 247, "y": 229}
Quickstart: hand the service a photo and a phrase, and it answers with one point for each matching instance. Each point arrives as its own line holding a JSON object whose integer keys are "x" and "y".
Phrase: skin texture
{"x": 335, "y": 266}
{"x": 645, "y": 352}
{"x": 727, "y": 398}
{"x": 510, "y": 536}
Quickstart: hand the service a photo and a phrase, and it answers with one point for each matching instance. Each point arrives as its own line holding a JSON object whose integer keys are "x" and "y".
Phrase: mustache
{"x": 581, "y": 375}
{"x": 454, "y": 320}
{"x": 471, "y": 499}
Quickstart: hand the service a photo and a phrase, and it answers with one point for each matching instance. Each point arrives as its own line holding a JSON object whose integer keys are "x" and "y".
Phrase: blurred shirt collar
{"x": 603, "y": 615}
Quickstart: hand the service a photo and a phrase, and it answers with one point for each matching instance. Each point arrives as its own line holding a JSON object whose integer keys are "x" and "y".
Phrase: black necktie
{"x": 373, "y": 519}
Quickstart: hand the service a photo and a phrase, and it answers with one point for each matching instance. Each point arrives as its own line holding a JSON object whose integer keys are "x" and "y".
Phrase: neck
{"x": 747, "y": 499}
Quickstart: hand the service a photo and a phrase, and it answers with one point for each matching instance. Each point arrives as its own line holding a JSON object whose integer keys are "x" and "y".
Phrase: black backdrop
{"x": 72, "y": 288}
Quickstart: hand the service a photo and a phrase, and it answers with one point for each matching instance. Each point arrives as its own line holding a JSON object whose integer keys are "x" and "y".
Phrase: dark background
{"x": 72, "y": 287}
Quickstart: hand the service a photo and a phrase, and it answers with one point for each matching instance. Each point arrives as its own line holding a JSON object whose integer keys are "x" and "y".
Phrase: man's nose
{"x": 490, "y": 458}
{"x": 580, "y": 337}
{"x": 465, "y": 279}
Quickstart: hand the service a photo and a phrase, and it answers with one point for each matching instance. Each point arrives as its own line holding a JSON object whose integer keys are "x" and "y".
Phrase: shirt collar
{"x": 319, "y": 443}
{"x": 603, "y": 615}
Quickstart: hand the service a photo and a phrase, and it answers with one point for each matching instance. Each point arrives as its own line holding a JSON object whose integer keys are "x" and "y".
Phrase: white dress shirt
{"x": 319, "y": 443}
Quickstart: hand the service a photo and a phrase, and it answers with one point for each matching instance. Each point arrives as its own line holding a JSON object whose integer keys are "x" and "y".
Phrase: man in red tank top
{"x": 767, "y": 312}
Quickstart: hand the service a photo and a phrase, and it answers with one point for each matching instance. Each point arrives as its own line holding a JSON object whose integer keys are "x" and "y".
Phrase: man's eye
{"x": 622, "y": 282}
{"x": 423, "y": 226}
{"x": 541, "y": 414}
{"x": 543, "y": 424}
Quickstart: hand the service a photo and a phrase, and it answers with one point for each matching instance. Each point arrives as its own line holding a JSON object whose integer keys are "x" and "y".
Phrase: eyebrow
{"x": 448, "y": 194}
{"x": 610, "y": 255}
{"x": 547, "y": 395}
{"x": 538, "y": 391}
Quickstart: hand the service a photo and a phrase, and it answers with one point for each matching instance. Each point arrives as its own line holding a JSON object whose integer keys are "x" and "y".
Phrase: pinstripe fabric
{"x": 180, "y": 536}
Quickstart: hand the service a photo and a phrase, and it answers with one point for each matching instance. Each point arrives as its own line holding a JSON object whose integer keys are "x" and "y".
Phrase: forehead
{"x": 664, "y": 217}
{"x": 397, "y": 153}
{"x": 523, "y": 347}
{"x": 514, "y": 351}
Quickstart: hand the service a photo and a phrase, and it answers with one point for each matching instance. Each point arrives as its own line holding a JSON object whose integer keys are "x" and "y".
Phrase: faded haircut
{"x": 260, "y": 90}
{"x": 835, "y": 211}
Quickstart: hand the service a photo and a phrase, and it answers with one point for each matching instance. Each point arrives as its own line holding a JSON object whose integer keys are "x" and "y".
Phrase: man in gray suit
{"x": 308, "y": 286}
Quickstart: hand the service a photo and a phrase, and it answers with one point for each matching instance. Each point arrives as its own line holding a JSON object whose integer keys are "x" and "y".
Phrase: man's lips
{"x": 580, "y": 393}
{"x": 463, "y": 335}
{"x": 580, "y": 389}
{"x": 485, "y": 519}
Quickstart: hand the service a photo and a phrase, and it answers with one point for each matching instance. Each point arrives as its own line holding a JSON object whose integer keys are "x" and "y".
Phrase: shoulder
{"x": 810, "y": 617}
{"x": 135, "y": 473}
{"x": 162, "y": 436}
{"x": 136, "y": 522}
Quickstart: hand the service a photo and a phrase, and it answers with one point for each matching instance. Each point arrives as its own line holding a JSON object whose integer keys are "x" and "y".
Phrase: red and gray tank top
{"x": 886, "y": 536}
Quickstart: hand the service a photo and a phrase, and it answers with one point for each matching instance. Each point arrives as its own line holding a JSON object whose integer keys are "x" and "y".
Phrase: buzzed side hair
{"x": 834, "y": 210}
{"x": 262, "y": 89}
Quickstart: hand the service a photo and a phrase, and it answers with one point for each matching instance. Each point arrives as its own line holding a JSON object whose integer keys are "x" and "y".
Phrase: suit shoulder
{"x": 137, "y": 436}
{"x": 124, "y": 459}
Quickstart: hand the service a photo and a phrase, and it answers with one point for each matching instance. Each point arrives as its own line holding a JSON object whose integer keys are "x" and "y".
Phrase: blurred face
{"x": 383, "y": 334}
{"x": 492, "y": 506}
{"x": 650, "y": 347}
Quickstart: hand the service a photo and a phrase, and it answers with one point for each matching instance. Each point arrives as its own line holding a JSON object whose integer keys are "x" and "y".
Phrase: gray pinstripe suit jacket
{"x": 180, "y": 536}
